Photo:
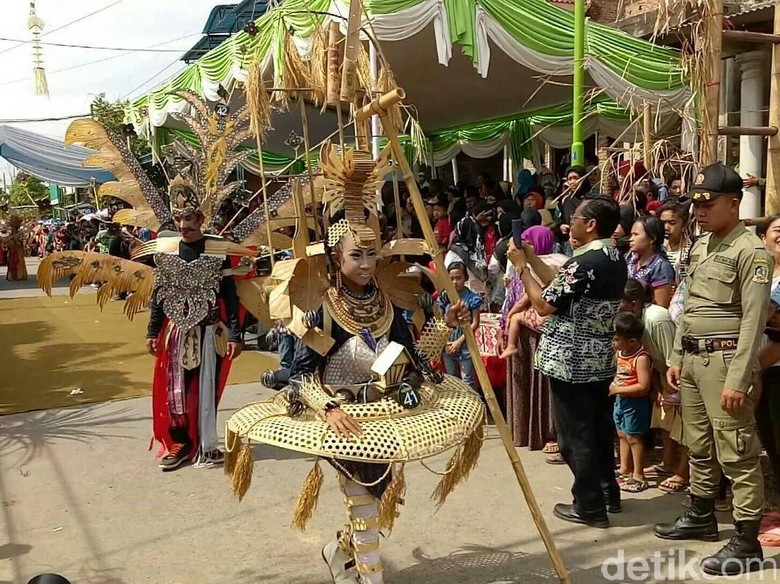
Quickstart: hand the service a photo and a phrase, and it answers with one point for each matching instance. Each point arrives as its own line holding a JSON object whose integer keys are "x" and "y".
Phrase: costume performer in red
{"x": 194, "y": 283}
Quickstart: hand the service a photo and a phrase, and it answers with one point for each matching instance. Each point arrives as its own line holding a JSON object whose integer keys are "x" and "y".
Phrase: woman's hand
{"x": 342, "y": 424}
{"x": 516, "y": 256}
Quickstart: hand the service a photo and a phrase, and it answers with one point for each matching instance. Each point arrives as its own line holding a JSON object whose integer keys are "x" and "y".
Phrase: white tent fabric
{"x": 615, "y": 86}
{"x": 48, "y": 159}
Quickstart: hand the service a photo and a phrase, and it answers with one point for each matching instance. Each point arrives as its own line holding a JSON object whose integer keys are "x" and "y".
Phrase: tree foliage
{"x": 112, "y": 115}
{"x": 27, "y": 190}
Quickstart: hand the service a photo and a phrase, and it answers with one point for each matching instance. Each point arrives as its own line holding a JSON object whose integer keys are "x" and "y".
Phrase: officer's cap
{"x": 713, "y": 181}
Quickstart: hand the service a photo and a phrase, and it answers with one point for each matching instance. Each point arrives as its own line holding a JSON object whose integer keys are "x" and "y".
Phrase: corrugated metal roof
{"x": 223, "y": 21}
{"x": 747, "y": 6}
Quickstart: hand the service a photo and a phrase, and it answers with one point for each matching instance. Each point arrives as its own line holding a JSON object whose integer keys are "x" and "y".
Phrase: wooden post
{"x": 773, "y": 149}
{"x": 647, "y": 135}
{"x": 714, "y": 35}
{"x": 380, "y": 107}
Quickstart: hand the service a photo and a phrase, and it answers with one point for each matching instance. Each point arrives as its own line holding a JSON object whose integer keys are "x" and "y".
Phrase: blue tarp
{"x": 48, "y": 159}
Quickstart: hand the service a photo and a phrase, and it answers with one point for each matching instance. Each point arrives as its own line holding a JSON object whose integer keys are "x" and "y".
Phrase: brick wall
{"x": 606, "y": 11}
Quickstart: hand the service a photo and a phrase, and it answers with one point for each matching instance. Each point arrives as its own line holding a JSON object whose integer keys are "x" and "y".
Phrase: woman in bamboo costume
{"x": 360, "y": 393}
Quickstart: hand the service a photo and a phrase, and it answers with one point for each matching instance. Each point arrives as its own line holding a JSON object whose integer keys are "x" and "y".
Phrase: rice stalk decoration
{"x": 318, "y": 64}
{"x": 257, "y": 101}
{"x": 35, "y": 24}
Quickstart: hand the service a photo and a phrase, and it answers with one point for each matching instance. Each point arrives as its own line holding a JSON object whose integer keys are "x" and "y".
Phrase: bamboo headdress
{"x": 350, "y": 184}
{"x": 201, "y": 184}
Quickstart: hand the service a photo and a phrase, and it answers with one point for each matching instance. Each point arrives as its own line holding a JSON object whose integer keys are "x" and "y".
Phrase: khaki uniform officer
{"x": 714, "y": 364}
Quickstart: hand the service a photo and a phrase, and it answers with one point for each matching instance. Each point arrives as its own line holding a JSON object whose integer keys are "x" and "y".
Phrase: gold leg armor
{"x": 360, "y": 539}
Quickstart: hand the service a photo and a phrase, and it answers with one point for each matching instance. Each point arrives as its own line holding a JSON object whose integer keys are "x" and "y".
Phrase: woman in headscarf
{"x": 498, "y": 261}
{"x": 528, "y": 391}
{"x": 525, "y": 182}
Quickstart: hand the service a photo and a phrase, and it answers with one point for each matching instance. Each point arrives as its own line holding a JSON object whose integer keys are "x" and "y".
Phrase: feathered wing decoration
{"x": 402, "y": 290}
{"x": 281, "y": 204}
{"x": 132, "y": 185}
{"x": 115, "y": 274}
{"x": 220, "y": 133}
{"x": 295, "y": 291}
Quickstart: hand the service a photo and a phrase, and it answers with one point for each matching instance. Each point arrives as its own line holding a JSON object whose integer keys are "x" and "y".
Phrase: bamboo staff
{"x": 380, "y": 107}
{"x": 307, "y": 146}
{"x": 264, "y": 190}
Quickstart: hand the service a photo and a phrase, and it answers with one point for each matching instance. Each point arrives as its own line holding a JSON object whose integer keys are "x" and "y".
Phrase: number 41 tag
{"x": 408, "y": 397}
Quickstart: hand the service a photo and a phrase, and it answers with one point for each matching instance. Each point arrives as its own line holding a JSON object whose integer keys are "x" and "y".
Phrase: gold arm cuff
{"x": 357, "y": 500}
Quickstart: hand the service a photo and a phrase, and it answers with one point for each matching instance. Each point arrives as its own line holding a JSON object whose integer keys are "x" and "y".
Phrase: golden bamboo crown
{"x": 350, "y": 184}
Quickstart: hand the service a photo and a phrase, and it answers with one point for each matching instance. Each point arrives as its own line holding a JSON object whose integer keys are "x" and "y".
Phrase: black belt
{"x": 711, "y": 345}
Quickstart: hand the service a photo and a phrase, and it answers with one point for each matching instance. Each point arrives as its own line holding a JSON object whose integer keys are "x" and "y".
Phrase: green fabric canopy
{"x": 530, "y": 42}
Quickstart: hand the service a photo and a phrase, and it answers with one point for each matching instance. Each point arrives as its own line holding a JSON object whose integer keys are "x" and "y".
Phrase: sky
{"x": 122, "y": 23}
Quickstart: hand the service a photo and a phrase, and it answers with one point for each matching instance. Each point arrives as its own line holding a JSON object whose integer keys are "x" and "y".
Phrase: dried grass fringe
{"x": 391, "y": 499}
{"x": 257, "y": 101}
{"x": 460, "y": 466}
{"x": 242, "y": 473}
{"x": 308, "y": 497}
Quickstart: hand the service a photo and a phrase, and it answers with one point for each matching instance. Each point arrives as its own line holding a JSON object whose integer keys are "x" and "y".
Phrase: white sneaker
{"x": 337, "y": 562}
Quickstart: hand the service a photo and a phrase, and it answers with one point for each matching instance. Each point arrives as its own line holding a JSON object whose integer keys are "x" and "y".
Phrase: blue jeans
{"x": 460, "y": 368}
{"x": 286, "y": 351}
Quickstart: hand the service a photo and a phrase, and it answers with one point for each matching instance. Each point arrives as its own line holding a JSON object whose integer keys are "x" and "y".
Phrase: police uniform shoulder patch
{"x": 760, "y": 271}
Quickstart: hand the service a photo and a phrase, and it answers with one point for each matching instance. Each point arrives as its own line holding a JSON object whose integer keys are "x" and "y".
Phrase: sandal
{"x": 673, "y": 485}
{"x": 657, "y": 471}
{"x": 551, "y": 448}
{"x": 554, "y": 459}
{"x": 631, "y": 485}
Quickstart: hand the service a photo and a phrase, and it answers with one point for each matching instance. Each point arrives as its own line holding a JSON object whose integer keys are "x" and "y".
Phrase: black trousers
{"x": 586, "y": 437}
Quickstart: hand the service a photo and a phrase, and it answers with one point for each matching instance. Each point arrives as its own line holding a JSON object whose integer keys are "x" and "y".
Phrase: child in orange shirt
{"x": 632, "y": 406}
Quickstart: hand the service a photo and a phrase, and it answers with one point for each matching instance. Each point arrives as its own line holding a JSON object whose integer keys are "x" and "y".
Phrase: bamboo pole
{"x": 438, "y": 257}
{"x": 264, "y": 190}
{"x": 307, "y": 144}
{"x": 578, "y": 111}
{"x": 714, "y": 38}
{"x": 773, "y": 148}
{"x": 647, "y": 137}
{"x": 397, "y": 203}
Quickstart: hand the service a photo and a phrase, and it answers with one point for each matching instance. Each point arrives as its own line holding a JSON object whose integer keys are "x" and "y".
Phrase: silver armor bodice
{"x": 351, "y": 363}
{"x": 187, "y": 291}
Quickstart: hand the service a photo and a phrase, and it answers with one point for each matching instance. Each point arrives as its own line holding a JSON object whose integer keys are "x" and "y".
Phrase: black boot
{"x": 698, "y": 522}
{"x": 740, "y": 555}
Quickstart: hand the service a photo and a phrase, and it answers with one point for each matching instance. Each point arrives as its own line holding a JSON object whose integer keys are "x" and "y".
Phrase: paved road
{"x": 81, "y": 495}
